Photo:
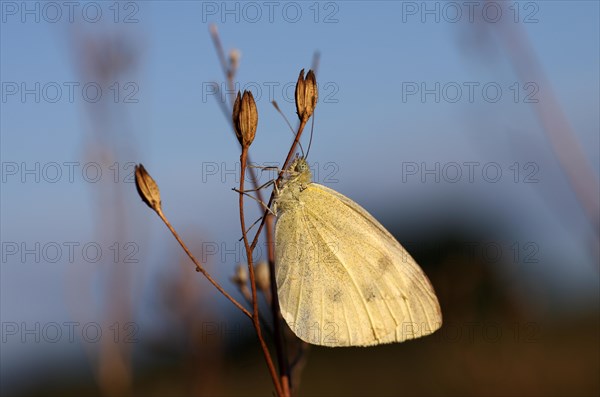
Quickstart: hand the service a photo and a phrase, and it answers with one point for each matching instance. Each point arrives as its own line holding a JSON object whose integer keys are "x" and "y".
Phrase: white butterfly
{"x": 342, "y": 278}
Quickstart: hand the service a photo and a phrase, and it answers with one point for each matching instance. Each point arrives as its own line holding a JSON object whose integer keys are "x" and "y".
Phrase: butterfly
{"x": 342, "y": 278}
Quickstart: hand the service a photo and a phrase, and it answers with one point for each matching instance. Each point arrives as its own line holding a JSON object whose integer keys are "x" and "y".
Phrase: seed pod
{"x": 261, "y": 275}
{"x": 245, "y": 118}
{"x": 234, "y": 61}
{"x": 306, "y": 95}
{"x": 147, "y": 188}
{"x": 240, "y": 277}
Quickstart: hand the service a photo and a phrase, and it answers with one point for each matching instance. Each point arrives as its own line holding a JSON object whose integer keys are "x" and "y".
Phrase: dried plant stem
{"x": 282, "y": 354}
{"x": 214, "y": 33}
{"x": 229, "y": 75}
{"x": 292, "y": 150}
{"x": 277, "y": 331}
{"x": 282, "y": 357}
{"x": 199, "y": 266}
{"x": 248, "y": 297}
{"x": 559, "y": 132}
{"x": 267, "y": 221}
{"x": 255, "y": 313}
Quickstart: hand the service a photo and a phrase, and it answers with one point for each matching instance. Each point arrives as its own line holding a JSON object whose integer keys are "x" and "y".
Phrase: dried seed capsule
{"x": 306, "y": 95}
{"x": 261, "y": 273}
{"x": 245, "y": 118}
{"x": 147, "y": 188}
{"x": 240, "y": 277}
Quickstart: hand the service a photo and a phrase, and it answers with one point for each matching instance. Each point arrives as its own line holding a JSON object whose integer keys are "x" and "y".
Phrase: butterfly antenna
{"x": 315, "y": 67}
{"x": 312, "y": 127}
{"x": 276, "y": 106}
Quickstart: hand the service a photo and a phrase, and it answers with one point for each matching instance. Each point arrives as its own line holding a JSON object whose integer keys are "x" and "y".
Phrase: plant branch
{"x": 255, "y": 313}
{"x": 278, "y": 338}
{"x": 282, "y": 358}
{"x": 199, "y": 266}
{"x": 267, "y": 220}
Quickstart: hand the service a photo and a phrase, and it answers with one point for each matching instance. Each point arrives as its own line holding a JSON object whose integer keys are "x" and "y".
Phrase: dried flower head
{"x": 234, "y": 60}
{"x": 240, "y": 277}
{"x": 245, "y": 118}
{"x": 261, "y": 275}
{"x": 306, "y": 95}
{"x": 147, "y": 188}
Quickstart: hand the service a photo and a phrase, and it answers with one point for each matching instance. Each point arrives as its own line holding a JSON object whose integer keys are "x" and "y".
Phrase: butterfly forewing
{"x": 343, "y": 279}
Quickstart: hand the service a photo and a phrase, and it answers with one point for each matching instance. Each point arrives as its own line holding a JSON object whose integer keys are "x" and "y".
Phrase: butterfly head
{"x": 299, "y": 171}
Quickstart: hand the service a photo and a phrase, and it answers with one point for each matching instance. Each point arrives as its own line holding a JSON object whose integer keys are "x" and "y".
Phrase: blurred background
{"x": 469, "y": 129}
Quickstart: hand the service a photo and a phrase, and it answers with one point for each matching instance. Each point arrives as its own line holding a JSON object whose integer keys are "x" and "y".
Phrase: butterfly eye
{"x": 301, "y": 167}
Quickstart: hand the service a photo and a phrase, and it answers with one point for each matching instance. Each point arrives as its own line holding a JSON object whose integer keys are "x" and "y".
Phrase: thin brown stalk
{"x": 277, "y": 329}
{"x": 282, "y": 357}
{"x": 220, "y": 52}
{"x": 267, "y": 220}
{"x": 277, "y": 318}
{"x": 227, "y": 113}
{"x": 555, "y": 125}
{"x": 229, "y": 75}
{"x": 248, "y": 297}
{"x": 255, "y": 313}
{"x": 199, "y": 266}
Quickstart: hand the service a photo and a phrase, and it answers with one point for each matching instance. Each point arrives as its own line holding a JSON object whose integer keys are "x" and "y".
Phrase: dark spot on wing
{"x": 370, "y": 293}
{"x": 335, "y": 295}
{"x": 384, "y": 263}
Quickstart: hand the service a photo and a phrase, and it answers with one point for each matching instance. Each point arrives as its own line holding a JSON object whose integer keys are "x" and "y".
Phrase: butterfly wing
{"x": 344, "y": 280}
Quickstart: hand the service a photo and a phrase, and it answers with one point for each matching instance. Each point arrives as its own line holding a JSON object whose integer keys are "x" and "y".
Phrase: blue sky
{"x": 368, "y": 128}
